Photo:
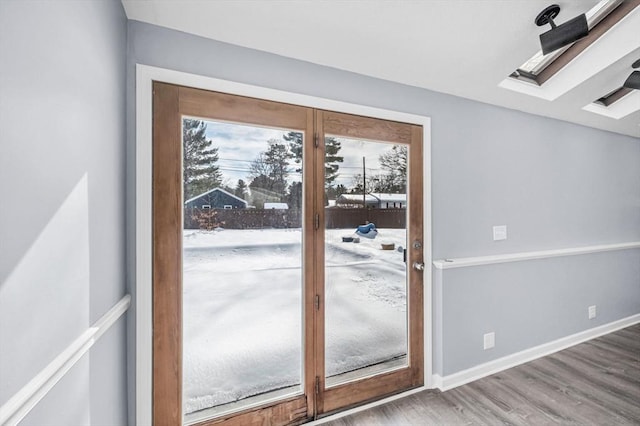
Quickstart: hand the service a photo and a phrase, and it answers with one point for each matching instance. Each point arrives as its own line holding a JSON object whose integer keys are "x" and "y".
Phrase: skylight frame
{"x": 539, "y": 62}
{"x": 613, "y": 96}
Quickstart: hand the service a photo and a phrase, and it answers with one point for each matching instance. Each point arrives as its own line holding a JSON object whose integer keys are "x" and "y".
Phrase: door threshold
{"x": 244, "y": 404}
{"x": 385, "y": 366}
{"x": 360, "y": 408}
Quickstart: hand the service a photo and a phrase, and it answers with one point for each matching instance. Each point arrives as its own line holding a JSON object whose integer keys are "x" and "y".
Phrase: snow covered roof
{"x": 217, "y": 189}
{"x": 371, "y": 198}
{"x": 283, "y": 206}
{"x": 390, "y": 198}
{"x": 356, "y": 198}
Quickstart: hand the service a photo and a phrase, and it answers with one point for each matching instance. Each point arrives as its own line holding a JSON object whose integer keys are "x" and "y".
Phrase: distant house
{"x": 391, "y": 201}
{"x": 217, "y": 198}
{"x": 377, "y": 201}
{"x": 276, "y": 206}
{"x": 355, "y": 200}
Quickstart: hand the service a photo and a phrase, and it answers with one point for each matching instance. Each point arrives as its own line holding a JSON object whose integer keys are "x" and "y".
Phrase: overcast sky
{"x": 238, "y": 145}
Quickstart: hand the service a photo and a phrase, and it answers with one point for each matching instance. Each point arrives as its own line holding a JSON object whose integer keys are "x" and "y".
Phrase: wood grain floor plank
{"x": 585, "y": 388}
{"x": 429, "y": 408}
{"x": 524, "y": 407}
{"x": 622, "y": 369}
{"x": 597, "y": 381}
{"x": 594, "y": 383}
{"x": 550, "y": 392}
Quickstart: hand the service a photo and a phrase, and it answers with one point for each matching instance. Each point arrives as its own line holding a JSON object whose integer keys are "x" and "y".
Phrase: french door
{"x": 287, "y": 257}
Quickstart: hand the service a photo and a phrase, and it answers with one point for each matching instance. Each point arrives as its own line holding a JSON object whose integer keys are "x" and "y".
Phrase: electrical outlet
{"x": 489, "y": 340}
{"x": 499, "y": 232}
{"x": 592, "y": 312}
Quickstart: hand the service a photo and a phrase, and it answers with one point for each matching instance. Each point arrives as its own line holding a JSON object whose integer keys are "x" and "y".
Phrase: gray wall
{"x": 554, "y": 184}
{"x": 62, "y": 214}
{"x": 530, "y": 303}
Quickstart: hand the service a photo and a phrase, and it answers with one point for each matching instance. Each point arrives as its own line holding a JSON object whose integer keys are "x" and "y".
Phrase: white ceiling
{"x": 462, "y": 47}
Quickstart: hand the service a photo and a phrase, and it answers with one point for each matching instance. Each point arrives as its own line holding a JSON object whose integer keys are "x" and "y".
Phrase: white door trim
{"x": 145, "y": 75}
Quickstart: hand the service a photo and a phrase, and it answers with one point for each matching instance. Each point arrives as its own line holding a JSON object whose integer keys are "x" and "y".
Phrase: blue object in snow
{"x": 367, "y": 231}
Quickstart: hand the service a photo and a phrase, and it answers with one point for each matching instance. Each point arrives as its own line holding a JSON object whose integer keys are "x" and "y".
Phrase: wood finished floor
{"x": 594, "y": 383}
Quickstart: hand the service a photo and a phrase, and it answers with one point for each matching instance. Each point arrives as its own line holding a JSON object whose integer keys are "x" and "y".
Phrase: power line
{"x": 233, "y": 159}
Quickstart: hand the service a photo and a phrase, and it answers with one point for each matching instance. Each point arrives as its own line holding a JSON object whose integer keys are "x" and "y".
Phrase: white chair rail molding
{"x": 18, "y": 406}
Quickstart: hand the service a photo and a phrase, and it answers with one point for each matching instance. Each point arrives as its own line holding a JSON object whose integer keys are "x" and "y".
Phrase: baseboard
{"x": 474, "y": 373}
{"x": 437, "y": 381}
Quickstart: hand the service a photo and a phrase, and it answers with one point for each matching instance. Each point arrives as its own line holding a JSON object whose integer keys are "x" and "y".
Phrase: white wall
{"x": 62, "y": 156}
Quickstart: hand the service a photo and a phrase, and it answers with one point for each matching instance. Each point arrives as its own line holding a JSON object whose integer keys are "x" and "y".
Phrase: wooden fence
{"x": 335, "y": 218}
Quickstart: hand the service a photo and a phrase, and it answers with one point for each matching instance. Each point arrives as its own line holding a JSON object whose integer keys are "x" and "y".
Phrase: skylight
{"x": 530, "y": 70}
{"x": 613, "y": 96}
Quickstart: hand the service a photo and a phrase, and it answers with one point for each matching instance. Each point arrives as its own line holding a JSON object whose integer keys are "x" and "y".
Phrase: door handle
{"x": 418, "y": 266}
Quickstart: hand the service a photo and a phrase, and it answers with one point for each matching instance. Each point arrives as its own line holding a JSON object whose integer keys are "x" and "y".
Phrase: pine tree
{"x": 241, "y": 189}
{"x": 331, "y": 158}
{"x": 277, "y": 158}
{"x": 295, "y": 147}
{"x": 294, "y": 197}
{"x": 200, "y": 170}
{"x": 332, "y": 147}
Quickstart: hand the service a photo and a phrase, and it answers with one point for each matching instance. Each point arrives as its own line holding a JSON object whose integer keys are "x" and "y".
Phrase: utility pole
{"x": 364, "y": 184}
{"x": 364, "y": 190}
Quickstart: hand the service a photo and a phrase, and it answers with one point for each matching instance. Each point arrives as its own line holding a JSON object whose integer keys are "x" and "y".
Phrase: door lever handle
{"x": 418, "y": 266}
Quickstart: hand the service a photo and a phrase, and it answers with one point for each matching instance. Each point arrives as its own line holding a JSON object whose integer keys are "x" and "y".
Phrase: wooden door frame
{"x": 145, "y": 75}
{"x": 362, "y": 390}
{"x": 171, "y": 103}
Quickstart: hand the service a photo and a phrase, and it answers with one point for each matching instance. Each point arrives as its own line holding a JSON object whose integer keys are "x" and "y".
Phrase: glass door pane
{"x": 242, "y": 257}
{"x": 366, "y": 279}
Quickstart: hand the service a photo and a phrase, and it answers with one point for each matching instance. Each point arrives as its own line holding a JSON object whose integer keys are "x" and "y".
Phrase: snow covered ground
{"x": 242, "y": 309}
